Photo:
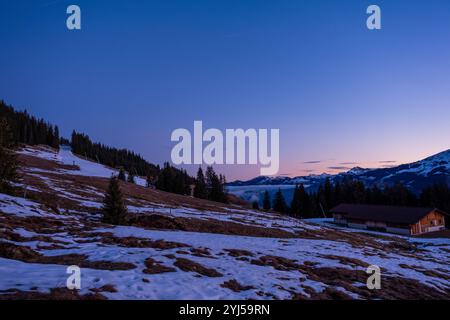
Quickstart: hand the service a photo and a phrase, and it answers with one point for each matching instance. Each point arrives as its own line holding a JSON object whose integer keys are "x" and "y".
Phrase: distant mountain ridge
{"x": 416, "y": 176}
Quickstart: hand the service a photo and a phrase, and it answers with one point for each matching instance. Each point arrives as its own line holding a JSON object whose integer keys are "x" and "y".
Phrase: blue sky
{"x": 340, "y": 94}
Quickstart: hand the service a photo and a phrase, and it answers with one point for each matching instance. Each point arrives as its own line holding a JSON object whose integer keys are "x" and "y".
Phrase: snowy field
{"x": 307, "y": 260}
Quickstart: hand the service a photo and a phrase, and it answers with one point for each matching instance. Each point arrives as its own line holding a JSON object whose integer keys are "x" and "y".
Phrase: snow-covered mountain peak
{"x": 358, "y": 170}
{"x": 417, "y": 175}
{"x": 442, "y": 158}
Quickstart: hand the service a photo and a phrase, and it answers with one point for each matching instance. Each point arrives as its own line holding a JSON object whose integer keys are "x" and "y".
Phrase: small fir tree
{"x": 114, "y": 209}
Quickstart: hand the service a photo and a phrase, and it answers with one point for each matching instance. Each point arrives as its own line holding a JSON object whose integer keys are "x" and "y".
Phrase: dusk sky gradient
{"x": 341, "y": 95}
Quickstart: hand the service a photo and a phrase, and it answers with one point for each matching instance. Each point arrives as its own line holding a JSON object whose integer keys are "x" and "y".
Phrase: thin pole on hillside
{"x": 321, "y": 208}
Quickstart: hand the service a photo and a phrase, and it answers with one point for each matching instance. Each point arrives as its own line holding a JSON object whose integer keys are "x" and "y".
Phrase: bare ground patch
{"x": 156, "y": 221}
{"x": 105, "y": 288}
{"x": 133, "y": 242}
{"x": 279, "y": 263}
{"x": 155, "y": 267}
{"x": 202, "y": 252}
{"x": 189, "y": 265}
{"x": 347, "y": 260}
{"x": 428, "y": 272}
{"x": 236, "y": 253}
{"x": 392, "y": 287}
{"x": 235, "y": 286}
{"x": 44, "y": 225}
{"x": 26, "y": 254}
{"x": 54, "y": 294}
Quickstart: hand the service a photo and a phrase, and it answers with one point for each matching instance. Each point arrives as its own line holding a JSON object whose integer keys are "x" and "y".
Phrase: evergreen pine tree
{"x": 215, "y": 186}
{"x": 50, "y": 136}
{"x": 211, "y": 179}
{"x": 121, "y": 175}
{"x": 5, "y": 133}
{"x": 56, "y": 139}
{"x": 223, "y": 192}
{"x": 320, "y": 201}
{"x": 328, "y": 195}
{"x": 337, "y": 194}
{"x": 301, "y": 203}
{"x": 130, "y": 178}
{"x": 266, "y": 201}
{"x": 150, "y": 182}
{"x": 200, "y": 185}
{"x": 114, "y": 209}
{"x": 296, "y": 203}
{"x": 279, "y": 204}
{"x": 8, "y": 161}
{"x": 376, "y": 195}
{"x": 305, "y": 203}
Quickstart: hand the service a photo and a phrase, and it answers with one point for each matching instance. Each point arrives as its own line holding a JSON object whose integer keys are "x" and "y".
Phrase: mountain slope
{"x": 177, "y": 247}
{"x": 416, "y": 176}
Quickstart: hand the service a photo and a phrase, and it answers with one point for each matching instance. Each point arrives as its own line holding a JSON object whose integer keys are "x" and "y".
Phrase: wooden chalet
{"x": 400, "y": 220}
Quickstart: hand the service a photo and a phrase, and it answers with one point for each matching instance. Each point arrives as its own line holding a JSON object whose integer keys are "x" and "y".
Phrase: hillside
{"x": 178, "y": 247}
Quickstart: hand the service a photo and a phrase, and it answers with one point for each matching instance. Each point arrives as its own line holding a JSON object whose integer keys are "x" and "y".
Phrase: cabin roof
{"x": 394, "y": 214}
